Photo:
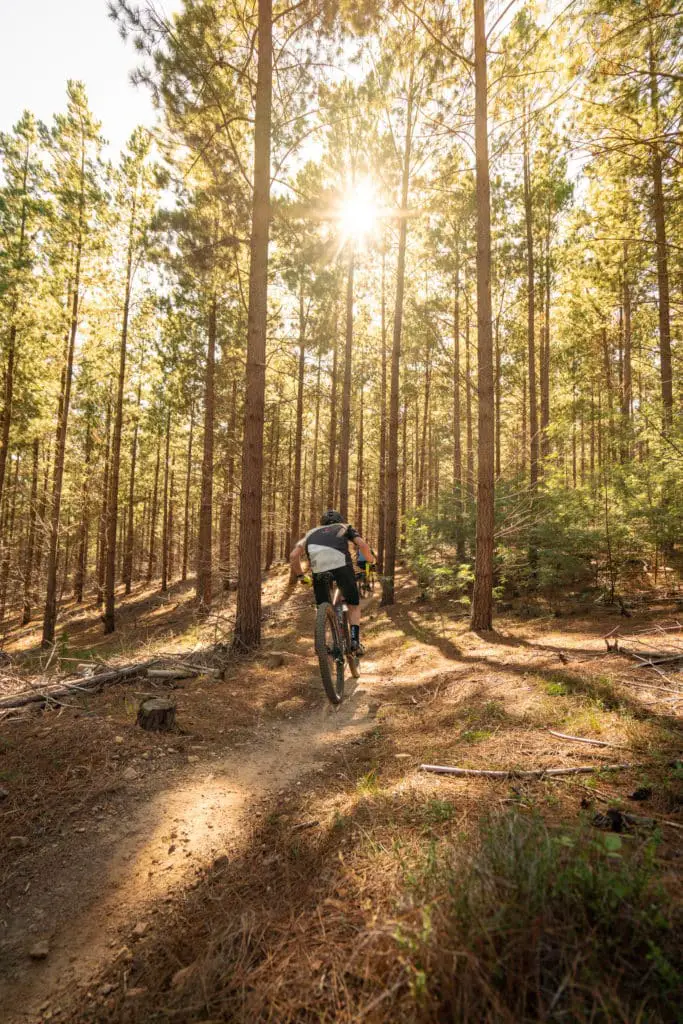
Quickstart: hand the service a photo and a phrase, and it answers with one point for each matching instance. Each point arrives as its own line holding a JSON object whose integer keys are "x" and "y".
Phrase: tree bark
{"x": 204, "y": 545}
{"x": 165, "y": 530}
{"x": 482, "y": 598}
{"x": 50, "y": 614}
{"x": 188, "y": 485}
{"x": 468, "y": 405}
{"x": 314, "y": 511}
{"x": 457, "y": 434}
{"x": 333, "y": 425}
{"x": 154, "y": 511}
{"x": 8, "y": 534}
{"x": 345, "y": 433}
{"x": 130, "y": 533}
{"x": 420, "y": 497}
{"x": 659, "y": 212}
{"x": 113, "y": 505}
{"x": 359, "y": 464}
{"x": 33, "y": 513}
{"x": 82, "y": 557}
{"x": 295, "y": 524}
{"x": 226, "y": 532}
{"x": 248, "y": 619}
{"x": 382, "y": 484}
{"x": 627, "y": 392}
{"x": 545, "y": 352}
{"x": 531, "y": 309}
{"x": 392, "y": 463}
{"x": 12, "y": 344}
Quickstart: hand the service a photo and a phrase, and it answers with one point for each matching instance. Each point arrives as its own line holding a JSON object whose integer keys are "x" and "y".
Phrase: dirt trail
{"x": 174, "y": 835}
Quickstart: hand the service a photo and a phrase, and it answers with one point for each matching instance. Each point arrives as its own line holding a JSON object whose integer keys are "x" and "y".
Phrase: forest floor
{"x": 278, "y": 859}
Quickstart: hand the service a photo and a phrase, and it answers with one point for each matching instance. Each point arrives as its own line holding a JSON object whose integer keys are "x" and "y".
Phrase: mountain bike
{"x": 333, "y": 641}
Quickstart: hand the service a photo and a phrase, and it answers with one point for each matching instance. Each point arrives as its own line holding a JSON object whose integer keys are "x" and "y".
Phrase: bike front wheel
{"x": 328, "y": 647}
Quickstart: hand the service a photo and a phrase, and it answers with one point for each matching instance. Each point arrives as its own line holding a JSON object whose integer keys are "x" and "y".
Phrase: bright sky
{"x": 45, "y": 42}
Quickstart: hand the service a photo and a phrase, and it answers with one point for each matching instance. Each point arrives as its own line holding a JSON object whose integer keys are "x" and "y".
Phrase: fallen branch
{"x": 581, "y": 739}
{"x": 539, "y": 773}
{"x": 652, "y": 686}
{"x": 42, "y": 695}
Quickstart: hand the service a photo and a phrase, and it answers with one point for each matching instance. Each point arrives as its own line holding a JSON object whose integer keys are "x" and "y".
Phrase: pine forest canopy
{"x": 419, "y": 262}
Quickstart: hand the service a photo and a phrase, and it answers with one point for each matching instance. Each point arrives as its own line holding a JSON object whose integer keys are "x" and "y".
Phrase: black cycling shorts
{"x": 346, "y": 579}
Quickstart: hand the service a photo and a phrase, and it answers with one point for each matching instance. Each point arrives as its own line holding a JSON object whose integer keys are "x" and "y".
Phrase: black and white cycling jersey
{"x": 327, "y": 547}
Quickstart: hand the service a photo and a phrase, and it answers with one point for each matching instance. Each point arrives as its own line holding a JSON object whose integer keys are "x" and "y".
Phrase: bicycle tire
{"x": 331, "y": 669}
{"x": 351, "y": 658}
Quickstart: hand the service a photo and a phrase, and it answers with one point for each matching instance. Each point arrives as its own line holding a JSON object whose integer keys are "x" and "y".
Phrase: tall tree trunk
{"x": 154, "y": 511}
{"x": 165, "y": 522}
{"x": 525, "y": 444}
{"x": 497, "y": 396}
{"x": 345, "y": 433}
{"x": 7, "y": 406}
{"x": 295, "y": 524}
{"x": 8, "y": 533}
{"x": 50, "y": 614}
{"x": 457, "y": 434}
{"x": 545, "y": 352}
{"x": 659, "y": 212}
{"x": 102, "y": 525}
{"x": 248, "y": 620}
{"x": 468, "y": 405}
{"x": 171, "y": 524}
{"x": 482, "y": 598}
{"x": 359, "y": 464}
{"x": 113, "y": 508}
{"x": 314, "y": 512}
{"x": 392, "y": 462}
{"x": 188, "y": 484}
{"x": 333, "y": 424}
{"x": 531, "y": 310}
{"x": 627, "y": 392}
{"x": 33, "y": 514}
{"x": 382, "y": 485}
{"x": 82, "y": 556}
{"x": 271, "y": 488}
{"x": 226, "y": 533}
{"x": 204, "y": 545}
{"x": 404, "y": 474}
{"x": 130, "y": 533}
{"x": 12, "y": 343}
{"x": 423, "y": 444}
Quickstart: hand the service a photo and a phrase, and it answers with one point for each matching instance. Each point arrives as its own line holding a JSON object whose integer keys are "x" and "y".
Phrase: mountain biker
{"x": 326, "y": 547}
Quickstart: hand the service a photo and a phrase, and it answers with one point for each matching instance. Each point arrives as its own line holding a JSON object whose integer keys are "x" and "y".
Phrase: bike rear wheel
{"x": 328, "y": 647}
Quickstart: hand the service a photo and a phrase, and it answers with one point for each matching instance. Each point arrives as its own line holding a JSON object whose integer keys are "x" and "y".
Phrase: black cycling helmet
{"x": 331, "y": 517}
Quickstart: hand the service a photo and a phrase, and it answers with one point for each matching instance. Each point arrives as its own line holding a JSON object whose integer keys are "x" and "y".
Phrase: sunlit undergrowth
{"x": 536, "y": 925}
{"x": 578, "y": 538}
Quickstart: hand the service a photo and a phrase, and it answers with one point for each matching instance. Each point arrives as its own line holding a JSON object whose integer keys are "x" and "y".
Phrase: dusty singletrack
{"x": 170, "y": 837}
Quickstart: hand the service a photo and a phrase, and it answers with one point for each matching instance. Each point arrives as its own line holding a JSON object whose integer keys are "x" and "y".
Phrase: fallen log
{"x": 172, "y": 673}
{"x": 43, "y": 694}
{"x": 538, "y": 773}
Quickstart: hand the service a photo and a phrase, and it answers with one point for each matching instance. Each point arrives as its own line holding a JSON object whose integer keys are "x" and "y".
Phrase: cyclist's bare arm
{"x": 364, "y": 549}
{"x": 295, "y": 559}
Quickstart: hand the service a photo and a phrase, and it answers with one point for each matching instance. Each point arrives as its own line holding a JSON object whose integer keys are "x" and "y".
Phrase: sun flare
{"x": 359, "y": 213}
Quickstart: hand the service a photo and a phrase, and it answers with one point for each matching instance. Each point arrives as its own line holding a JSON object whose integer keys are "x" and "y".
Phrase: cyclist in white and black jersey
{"x": 326, "y": 548}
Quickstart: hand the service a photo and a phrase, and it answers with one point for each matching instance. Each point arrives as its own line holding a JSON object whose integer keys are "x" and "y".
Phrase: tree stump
{"x": 156, "y": 714}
